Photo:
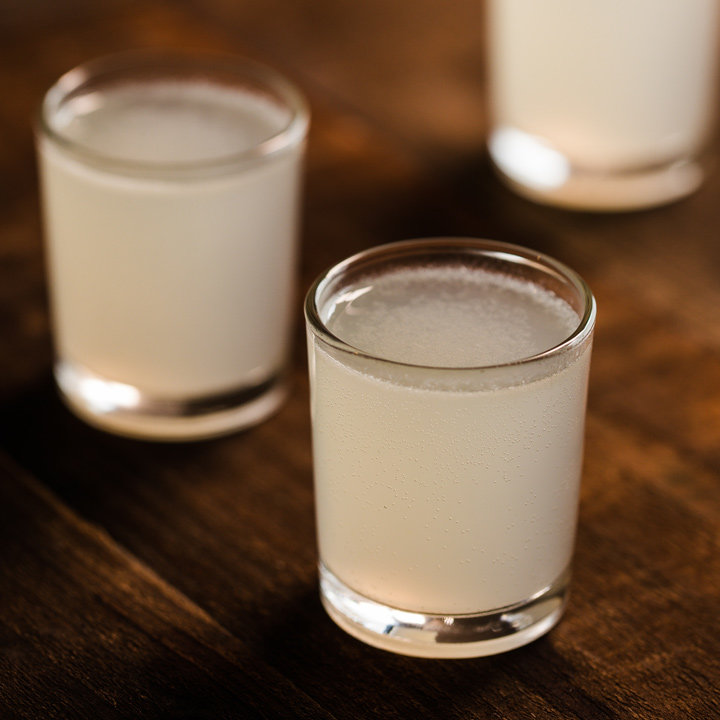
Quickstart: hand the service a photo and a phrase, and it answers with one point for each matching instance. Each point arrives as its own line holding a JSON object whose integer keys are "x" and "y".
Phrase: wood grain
{"x": 88, "y": 630}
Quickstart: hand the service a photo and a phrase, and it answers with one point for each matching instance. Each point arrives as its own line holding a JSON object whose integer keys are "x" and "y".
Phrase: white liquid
{"x": 177, "y": 286}
{"x": 432, "y": 496}
{"x": 607, "y": 85}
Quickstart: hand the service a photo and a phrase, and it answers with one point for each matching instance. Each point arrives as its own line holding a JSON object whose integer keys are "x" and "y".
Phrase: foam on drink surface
{"x": 168, "y": 121}
{"x": 450, "y": 316}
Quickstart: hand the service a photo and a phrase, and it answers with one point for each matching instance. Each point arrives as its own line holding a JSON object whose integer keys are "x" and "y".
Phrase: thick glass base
{"x": 533, "y": 169}
{"x": 443, "y": 636}
{"x": 124, "y": 410}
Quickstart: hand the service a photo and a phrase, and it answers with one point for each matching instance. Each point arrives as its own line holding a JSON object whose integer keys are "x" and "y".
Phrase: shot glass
{"x": 602, "y": 104}
{"x": 448, "y": 388}
{"x": 170, "y": 189}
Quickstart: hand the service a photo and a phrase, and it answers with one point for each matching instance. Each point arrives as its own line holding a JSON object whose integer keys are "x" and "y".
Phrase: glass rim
{"x": 489, "y": 248}
{"x": 262, "y": 76}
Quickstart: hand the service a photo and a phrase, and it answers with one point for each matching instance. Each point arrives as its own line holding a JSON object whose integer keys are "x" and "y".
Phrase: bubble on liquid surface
{"x": 450, "y": 316}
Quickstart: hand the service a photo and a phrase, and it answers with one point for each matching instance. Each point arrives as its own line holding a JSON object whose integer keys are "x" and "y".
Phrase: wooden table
{"x": 144, "y": 580}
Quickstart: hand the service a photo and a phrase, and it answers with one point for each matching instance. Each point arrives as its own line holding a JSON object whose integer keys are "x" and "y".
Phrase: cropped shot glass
{"x": 602, "y": 105}
{"x": 448, "y": 389}
{"x": 171, "y": 189}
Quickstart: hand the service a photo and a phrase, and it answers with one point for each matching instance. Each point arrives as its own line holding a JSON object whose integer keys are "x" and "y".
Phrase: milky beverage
{"x": 447, "y": 491}
{"x": 610, "y": 85}
{"x": 176, "y": 281}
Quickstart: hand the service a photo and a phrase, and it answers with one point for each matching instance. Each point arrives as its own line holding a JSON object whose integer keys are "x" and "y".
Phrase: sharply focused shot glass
{"x": 602, "y": 104}
{"x": 448, "y": 390}
{"x": 171, "y": 194}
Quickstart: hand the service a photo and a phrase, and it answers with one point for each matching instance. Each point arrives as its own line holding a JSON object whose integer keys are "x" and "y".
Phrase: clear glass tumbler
{"x": 171, "y": 192}
{"x": 448, "y": 390}
{"x": 602, "y": 104}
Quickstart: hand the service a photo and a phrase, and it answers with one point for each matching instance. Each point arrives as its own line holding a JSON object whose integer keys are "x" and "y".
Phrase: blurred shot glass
{"x": 171, "y": 193}
{"x": 602, "y": 104}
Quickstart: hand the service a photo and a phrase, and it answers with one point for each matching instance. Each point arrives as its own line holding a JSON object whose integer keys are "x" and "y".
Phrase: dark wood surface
{"x": 145, "y": 580}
